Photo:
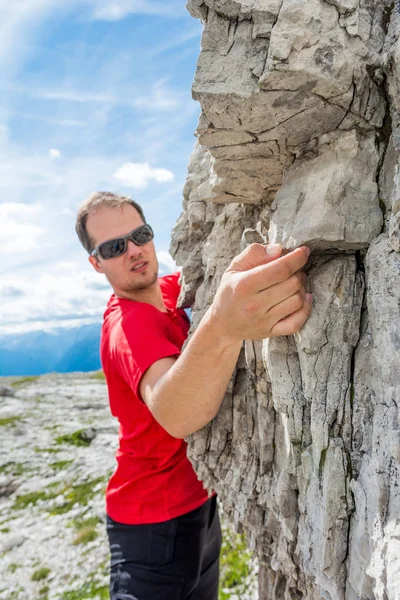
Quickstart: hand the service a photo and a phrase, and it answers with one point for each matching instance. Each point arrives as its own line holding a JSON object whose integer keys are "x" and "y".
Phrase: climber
{"x": 163, "y": 525}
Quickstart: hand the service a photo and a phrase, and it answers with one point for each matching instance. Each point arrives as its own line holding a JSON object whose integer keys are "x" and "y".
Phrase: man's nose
{"x": 132, "y": 249}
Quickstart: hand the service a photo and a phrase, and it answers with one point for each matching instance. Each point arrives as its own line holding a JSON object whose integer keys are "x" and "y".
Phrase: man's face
{"x": 108, "y": 222}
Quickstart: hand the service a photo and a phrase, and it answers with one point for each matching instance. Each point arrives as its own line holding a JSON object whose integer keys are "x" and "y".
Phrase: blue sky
{"x": 94, "y": 95}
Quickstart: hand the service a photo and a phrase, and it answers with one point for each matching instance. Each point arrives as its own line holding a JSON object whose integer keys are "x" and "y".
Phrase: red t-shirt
{"x": 154, "y": 480}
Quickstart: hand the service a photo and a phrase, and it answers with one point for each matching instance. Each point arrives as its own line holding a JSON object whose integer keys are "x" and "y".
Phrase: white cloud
{"x": 10, "y": 210}
{"x": 66, "y": 293}
{"x": 46, "y": 119}
{"x": 17, "y": 232}
{"x": 75, "y": 96}
{"x": 160, "y": 99}
{"x": 20, "y": 19}
{"x": 54, "y": 153}
{"x": 176, "y": 42}
{"x": 48, "y": 326}
{"x": 115, "y": 10}
{"x": 14, "y": 17}
{"x": 64, "y": 184}
{"x": 167, "y": 263}
{"x": 4, "y": 135}
{"x": 18, "y": 238}
{"x": 138, "y": 175}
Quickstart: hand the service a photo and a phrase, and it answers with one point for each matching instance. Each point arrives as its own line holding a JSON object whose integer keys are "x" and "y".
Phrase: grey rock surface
{"x": 55, "y": 488}
{"x": 299, "y": 142}
{"x": 6, "y": 390}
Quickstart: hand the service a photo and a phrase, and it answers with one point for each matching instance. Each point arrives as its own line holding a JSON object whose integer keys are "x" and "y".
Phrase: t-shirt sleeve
{"x": 142, "y": 340}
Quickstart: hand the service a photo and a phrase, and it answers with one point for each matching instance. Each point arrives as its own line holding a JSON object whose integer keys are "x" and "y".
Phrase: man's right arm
{"x": 259, "y": 297}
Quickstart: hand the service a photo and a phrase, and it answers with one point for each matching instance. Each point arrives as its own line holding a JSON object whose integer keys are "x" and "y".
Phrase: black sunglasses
{"x": 117, "y": 246}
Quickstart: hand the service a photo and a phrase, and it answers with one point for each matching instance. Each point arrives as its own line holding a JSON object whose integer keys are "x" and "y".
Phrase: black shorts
{"x": 174, "y": 560}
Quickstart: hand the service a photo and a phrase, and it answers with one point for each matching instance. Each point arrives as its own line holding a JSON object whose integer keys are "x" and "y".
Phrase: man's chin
{"x": 143, "y": 283}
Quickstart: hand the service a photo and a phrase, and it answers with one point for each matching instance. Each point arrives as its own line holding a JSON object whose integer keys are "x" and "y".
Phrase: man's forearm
{"x": 261, "y": 295}
{"x": 189, "y": 394}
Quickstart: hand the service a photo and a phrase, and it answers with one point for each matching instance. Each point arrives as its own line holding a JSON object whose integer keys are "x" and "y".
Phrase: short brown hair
{"x": 94, "y": 201}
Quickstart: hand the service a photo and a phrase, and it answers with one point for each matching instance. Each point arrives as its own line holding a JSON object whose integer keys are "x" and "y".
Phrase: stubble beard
{"x": 147, "y": 282}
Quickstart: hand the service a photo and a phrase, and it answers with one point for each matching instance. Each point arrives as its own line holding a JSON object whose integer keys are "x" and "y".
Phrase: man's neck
{"x": 150, "y": 295}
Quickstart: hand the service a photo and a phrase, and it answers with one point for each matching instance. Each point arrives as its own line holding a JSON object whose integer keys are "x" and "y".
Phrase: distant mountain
{"x": 61, "y": 350}
{"x": 83, "y": 355}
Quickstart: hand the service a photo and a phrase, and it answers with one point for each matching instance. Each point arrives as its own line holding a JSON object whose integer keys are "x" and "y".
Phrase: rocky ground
{"x": 57, "y": 451}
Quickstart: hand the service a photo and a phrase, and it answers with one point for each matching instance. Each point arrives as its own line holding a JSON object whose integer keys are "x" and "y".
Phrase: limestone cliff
{"x": 299, "y": 142}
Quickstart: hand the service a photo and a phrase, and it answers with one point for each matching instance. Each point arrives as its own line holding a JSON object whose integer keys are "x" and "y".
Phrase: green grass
{"x": 9, "y": 421}
{"x": 15, "y": 595}
{"x": 13, "y": 567}
{"x": 54, "y": 484}
{"x": 37, "y": 449}
{"x": 51, "y": 427}
{"x": 61, "y": 465}
{"x": 23, "y": 501}
{"x": 85, "y": 530}
{"x": 44, "y": 590}
{"x": 85, "y": 535}
{"x": 88, "y": 591}
{"x": 89, "y": 522}
{"x": 25, "y": 380}
{"x": 80, "y": 493}
{"x": 98, "y": 375}
{"x": 235, "y": 564}
{"x": 14, "y": 468}
{"x": 77, "y": 438}
{"x": 5, "y": 530}
{"x": 4, "y": 522}
{"x": 40, "y": 574}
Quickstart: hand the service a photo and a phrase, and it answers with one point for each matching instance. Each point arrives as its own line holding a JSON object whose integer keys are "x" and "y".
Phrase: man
{"x": 163, "y": 526}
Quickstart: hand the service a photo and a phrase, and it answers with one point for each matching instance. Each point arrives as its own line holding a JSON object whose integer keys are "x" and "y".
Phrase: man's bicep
{"x": 153, "y": 375}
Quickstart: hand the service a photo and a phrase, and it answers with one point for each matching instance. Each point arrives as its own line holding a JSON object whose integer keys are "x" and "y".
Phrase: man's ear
{"x": 95, "y": 264}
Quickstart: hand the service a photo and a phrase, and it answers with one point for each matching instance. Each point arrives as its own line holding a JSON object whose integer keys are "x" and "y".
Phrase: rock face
{"x": 299, "y": 142}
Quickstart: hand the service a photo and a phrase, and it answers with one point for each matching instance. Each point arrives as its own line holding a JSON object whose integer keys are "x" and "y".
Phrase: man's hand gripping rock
{"x": 262, "y": 294}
